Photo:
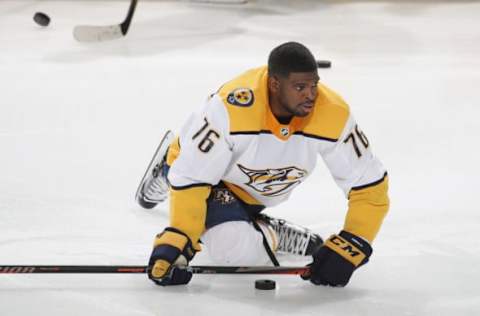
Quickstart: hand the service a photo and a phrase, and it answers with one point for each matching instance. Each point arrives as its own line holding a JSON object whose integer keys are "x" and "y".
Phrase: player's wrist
{"x": 170, "y": 256}
{"x": 173, "y": 237}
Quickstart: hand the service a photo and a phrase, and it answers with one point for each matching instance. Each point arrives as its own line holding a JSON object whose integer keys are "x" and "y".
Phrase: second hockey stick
{"x": 92, "y": 33}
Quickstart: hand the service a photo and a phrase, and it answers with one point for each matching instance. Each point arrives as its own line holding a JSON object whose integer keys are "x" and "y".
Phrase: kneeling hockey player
{"x": 255, "y": 140}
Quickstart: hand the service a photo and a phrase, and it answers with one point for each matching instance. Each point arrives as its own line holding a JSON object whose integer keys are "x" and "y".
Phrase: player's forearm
{"x": 188, "y": 208}
{"x": 367, "y": 208}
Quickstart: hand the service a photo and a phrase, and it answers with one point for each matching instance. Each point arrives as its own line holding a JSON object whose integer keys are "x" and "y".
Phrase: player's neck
{"x": 282, "y": 116}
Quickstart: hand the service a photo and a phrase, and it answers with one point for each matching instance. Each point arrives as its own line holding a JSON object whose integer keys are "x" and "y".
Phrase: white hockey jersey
{"x": 236, "y": 139}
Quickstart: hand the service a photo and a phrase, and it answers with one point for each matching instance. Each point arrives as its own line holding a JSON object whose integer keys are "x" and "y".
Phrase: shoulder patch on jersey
{"x": 241, "y": 97}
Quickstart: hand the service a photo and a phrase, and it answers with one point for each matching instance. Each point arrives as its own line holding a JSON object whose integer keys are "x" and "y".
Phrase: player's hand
{"x": 168, "y": 264}
{"x": 333, "y": 263}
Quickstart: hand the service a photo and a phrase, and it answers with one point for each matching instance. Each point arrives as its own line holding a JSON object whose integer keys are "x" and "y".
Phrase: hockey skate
{"x": 153, "y": 188}
{"x": 292, "y": 239}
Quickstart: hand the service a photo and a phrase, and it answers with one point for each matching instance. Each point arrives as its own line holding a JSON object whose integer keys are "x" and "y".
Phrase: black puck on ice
{"x": 265, "y": 284}
{"x": 41, "y": 19}
{"x": 324, "y": 63}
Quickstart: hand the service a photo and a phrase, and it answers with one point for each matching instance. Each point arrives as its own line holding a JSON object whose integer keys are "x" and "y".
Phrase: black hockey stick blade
{"x": 92, "y": 33}
{"x": 28, "y": 269}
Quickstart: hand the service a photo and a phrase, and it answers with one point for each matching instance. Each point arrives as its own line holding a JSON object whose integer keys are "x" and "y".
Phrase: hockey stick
{"x": 92, "y": 33}
{"x": 220, "y": 1}
{"x": 27, "y": 269}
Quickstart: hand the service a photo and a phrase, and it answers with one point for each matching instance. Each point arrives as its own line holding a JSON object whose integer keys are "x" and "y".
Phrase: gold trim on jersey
{"x": 173, "y": 151}
{"x": 247, "y": 118}
{"x": 283, "y": 131}
{"x": 325, "y": 122}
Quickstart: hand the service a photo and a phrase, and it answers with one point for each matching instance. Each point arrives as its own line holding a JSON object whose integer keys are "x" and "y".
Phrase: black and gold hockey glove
{"x": 168, "y": 264}
{"x": 333, "y": 263}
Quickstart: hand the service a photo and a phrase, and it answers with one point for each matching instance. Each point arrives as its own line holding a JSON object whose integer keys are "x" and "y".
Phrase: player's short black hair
{"x": 290, "y": 57}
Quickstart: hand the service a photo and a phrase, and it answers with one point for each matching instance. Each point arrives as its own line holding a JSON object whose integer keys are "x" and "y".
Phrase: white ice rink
{"x": 79, "y": 123}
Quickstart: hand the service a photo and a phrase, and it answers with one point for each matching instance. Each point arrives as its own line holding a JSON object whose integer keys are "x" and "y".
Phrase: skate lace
{"x": 291, "y": 240}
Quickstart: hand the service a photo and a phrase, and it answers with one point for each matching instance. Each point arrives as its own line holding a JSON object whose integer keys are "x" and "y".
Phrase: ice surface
{"x": 79, "y": 122}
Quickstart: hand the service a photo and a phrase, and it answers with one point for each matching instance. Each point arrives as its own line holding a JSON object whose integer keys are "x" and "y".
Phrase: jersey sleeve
{"x": 205, "y": 151}
{"x": 363, "y": 179}
{"x": 202, "y": 154}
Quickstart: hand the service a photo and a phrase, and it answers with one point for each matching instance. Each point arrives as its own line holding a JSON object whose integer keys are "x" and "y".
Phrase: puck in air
{"x": 324, "y": 63}
{"x": 41, "y": 19}
{"x": 265, "y": 284}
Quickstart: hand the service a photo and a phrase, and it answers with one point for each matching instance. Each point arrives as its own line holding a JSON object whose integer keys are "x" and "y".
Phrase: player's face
{"x": 298, "y": 92}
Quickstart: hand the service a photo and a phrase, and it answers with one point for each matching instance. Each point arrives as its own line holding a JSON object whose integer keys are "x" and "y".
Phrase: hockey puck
{"x": 265, "y": 285}
{"x": 324, "y": 63}
{"x": 41, "y": 19}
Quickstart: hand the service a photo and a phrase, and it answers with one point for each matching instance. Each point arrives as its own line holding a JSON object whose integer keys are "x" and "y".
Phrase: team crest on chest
{"x": 274, "y": 182}
{"x": 241, "y": 97}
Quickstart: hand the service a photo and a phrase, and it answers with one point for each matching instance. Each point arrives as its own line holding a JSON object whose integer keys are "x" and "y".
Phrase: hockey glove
{"x": 172, "y": 251}
{"x": 333, "y": 263}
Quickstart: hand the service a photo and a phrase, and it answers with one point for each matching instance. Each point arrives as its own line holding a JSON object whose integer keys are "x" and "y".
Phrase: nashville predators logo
{"x": 274, "y": 182}
{"x": 241, "y": 97}
{"x": 223, "y": 196}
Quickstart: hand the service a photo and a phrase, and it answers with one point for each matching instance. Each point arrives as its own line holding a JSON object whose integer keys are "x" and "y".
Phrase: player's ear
{"x": 273, "y": 84}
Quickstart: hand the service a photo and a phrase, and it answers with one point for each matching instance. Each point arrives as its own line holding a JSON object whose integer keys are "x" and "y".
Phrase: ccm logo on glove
{"x": 346, "y": 249}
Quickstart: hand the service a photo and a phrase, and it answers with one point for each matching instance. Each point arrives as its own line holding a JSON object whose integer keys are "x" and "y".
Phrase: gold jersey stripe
{"x": 173, "y": 151}
{"x": 326, "y": 121}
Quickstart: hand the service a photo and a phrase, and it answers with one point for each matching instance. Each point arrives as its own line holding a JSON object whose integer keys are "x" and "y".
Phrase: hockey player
{"x": 255, "y": 140}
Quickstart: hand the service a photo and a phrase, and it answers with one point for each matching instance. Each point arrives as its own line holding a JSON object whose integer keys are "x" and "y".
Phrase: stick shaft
{"x": 28, "y": 269}
{"x": 128, "y": 19}
{"x": 13, "y": 269}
